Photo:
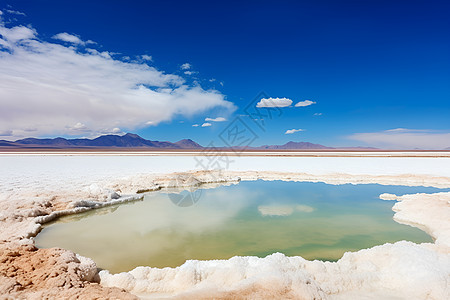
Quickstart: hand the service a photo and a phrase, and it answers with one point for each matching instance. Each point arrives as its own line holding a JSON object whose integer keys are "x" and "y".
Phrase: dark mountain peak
{"x": 127, "y": 140}
{"x": 188, "y": 144}
{"x": 132, "y": 135}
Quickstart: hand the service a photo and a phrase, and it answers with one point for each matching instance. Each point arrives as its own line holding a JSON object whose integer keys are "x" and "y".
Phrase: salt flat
{"x": 36, "y": 188}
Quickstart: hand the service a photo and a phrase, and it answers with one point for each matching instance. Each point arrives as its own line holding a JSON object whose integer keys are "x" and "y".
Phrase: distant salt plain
{"x": 38, "y": 170}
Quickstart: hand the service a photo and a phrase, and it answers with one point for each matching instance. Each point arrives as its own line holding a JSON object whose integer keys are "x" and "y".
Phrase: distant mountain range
{"x": 131, "y": 140}
{"x": 128, "y": 140}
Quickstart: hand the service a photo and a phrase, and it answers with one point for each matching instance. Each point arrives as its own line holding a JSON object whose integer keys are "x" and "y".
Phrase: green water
{"x": 314, "y": 220}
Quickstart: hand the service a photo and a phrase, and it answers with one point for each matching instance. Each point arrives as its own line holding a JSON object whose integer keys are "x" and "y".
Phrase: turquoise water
{"x": 314, "y": 220}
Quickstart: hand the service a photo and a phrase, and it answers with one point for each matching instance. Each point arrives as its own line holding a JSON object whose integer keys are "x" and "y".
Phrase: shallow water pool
{"x": 313, "y": 220}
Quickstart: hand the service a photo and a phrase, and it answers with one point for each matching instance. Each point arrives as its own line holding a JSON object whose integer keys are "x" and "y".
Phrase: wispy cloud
{"x": 146, "y": 57}
{"x": 218, "y": 119}
{"x": 274, "y": 102}
{"x": 291, "y": 131}
{"x": 195, "y": 125}
{"x": 15, "y": 12}
{"x": 304, "y": 103}
{"x": 403, "y": 138}
{"x": 51, "y": 87}
{"x": 70, "y": 38}
{"x": 6, "y": 133}
{"x": 206, "y": 124}
{"x": 318, "y": 114}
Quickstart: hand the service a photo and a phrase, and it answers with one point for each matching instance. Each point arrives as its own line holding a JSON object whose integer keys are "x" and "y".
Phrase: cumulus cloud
{"x": 291, "y": 131}
{"x": 305, "y": 103}
{"x": 206, "y": 124}
{"x": 52, "y": 87}
{"x": 218, "y": 119}
{"x": 274, "y": 102}
{"x": 186, "y": 66}
{"x": 188, "y": 72}
{"x": 11, "y": 36}
{"x": 79, "y": 127}
{"x": 403, "y": 138}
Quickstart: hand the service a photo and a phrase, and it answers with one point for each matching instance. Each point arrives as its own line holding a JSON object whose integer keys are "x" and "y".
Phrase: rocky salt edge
{"x": 402, "y": 269}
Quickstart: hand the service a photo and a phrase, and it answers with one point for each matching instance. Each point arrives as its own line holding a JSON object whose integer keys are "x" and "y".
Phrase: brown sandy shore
{"x": 30, "y": 273}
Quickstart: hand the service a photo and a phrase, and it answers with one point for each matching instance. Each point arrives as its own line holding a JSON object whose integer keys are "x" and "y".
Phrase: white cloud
{"x": 79, "y": 127}
{"x": 206, "y": 124}
{"x": 188, "y": 72}
{"x": 291, "y": 131}
{"x": 304, "y": 103}
{"x": 318, "y": 114}
{"x": 186, "y": 66}
{"x": 402, "y": 138}
{"x": 51, "y": 87}
{"x": 218, "y": 119}
{"x": 70, "y": 38}
{"x": 14, "y": 35}
{"x": 146, "y": 57}
{"x": 274, "y": 102}
{"x": 195, "y": 125}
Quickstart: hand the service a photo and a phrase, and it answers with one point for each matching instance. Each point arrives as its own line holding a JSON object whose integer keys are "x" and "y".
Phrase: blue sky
{"x": 369, "y": 66}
